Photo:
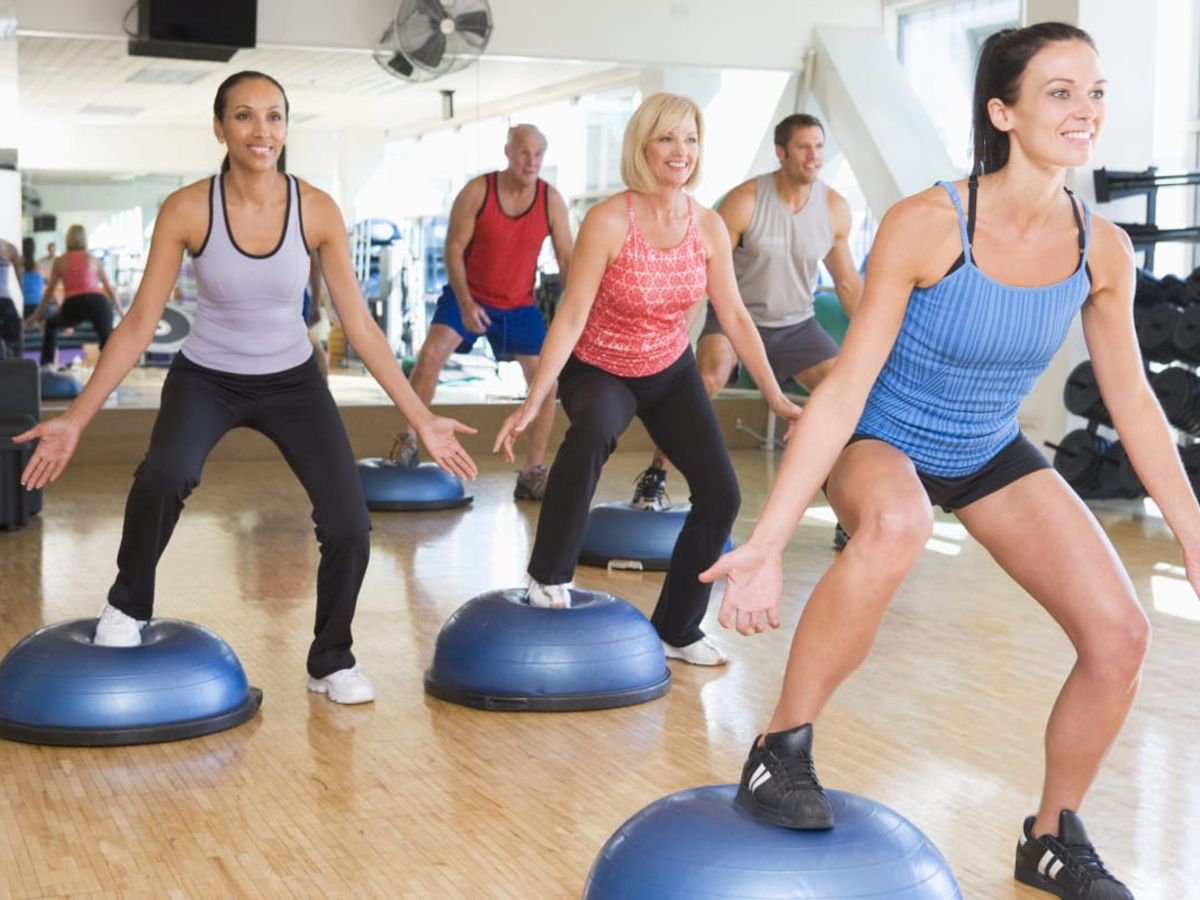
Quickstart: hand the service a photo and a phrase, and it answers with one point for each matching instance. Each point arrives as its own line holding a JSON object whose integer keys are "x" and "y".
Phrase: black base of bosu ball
{"x": 499, "y": 653}
{"x": 182, "y": 681}
{"x": 624, "y": 536}
{"x": 389, "y": 487}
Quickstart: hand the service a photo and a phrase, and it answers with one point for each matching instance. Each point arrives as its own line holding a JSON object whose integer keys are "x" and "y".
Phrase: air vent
{"x": 160, "y": 75}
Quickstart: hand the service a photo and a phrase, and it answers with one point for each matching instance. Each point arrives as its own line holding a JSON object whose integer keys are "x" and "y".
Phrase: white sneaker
{"x": 703, "y": 652}
{"x": 115, "y": 629}
{"x": 548, "y": 596}
{"x": 344, "y": 686}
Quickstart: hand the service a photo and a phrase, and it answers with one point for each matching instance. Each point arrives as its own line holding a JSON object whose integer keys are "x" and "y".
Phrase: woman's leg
{"x": 875, "y": 492}
{"x": 681, "y": 421}
{"x": 50, "y": 327}
{"x": 100, "y": 314}
{"x": 1041, "y": 533}
{"x": 302, "y": 420}
{"x": 193, "y": 415}
{"x": 600, "y": 407}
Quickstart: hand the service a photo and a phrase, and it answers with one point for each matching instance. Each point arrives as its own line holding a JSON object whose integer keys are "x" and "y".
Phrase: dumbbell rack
{"x": 1145, "y": 235}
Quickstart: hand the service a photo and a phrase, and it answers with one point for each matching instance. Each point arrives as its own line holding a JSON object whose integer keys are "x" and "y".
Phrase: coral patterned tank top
{"x": 636, "y": 326}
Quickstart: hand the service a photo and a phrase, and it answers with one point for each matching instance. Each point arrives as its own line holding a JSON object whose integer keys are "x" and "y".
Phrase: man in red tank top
{"x": 497, "y": 226}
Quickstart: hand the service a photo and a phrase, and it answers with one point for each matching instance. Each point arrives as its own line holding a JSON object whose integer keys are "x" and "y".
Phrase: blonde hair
{"x": 76, "y": 238}
{"x": 657, "y": 115}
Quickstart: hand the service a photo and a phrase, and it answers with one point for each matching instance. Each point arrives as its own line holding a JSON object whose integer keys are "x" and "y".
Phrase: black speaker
{"x": 187, "y": 29}
{"x": 45, "y": 222}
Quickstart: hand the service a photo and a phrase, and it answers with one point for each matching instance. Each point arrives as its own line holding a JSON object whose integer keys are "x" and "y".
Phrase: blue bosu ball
{"x": 696, "y": 845}
{"x": 57, "y": 386}
{"x": 57, "y": 687}
{"x": 499, "y": 653}
{"x": 389, "y": 487}
{"x": 625, "y": 536}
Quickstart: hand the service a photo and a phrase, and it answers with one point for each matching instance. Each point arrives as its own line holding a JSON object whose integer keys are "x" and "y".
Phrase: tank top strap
{"x": 295, "y": 214}
{"x": 1083, "y": 222}
{"x": 962, "y": 219}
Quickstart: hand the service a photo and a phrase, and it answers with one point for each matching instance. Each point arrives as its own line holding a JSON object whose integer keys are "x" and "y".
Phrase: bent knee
{"x": 1118, "y": 645}
{"x": 169, "y": 477}
{"x": 896, "y": 529}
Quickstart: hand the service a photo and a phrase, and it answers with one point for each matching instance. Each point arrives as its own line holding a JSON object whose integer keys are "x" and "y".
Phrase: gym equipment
{"x": 624, "y": 536}
{"x": 1178, "y": 391}
{"x": 696, "y": 845}
{"x": 390, "y": 487}
{"x": 59, "y": 386}
{"x": 1117, "y": 184}
{"x": 499, "y": 653}
{"x": 1080, "y": 458}
{"x": 1186, "y": 337}
{"x": 182, "y": 681}
{"x": 1081, "y": 394}
{"x": 1155, "y": 325}
{"x": 172, "y": 330}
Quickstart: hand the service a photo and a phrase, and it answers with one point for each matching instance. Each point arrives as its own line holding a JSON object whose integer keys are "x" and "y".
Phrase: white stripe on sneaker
{"x": 1055, "y": 869}
{"x": 1048, "y": 859}
{"x": 760, "y": 777}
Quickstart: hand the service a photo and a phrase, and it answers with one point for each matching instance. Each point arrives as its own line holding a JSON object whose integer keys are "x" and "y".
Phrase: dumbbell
{"x": 1081, "y": 457}
{"x": 1178, "y": 391}
{"x": 1081, "y": 394}
{"x": 1186, "y": 336}
{"x": 1121, "y": 480}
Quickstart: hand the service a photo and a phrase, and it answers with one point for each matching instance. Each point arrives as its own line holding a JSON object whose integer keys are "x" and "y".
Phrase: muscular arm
{"x": 847, "y": 283}
{"x": 737, "y": 208}
{"x": 1116, "y": 359}
{"x": 560, "y": 232}
{"x": 459, "y": 232}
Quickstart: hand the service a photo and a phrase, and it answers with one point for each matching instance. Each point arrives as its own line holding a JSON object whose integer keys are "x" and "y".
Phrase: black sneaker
{"x": 1067, "y": 865}
{"x": 779, "y": 784}
{"x": 651, "y": 490}
{"x": 840, "y": 537}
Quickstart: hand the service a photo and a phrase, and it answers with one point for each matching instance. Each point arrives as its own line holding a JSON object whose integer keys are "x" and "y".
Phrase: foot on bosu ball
{"x": 624, "y": 536}
{"x": 182, "y": 681}
{"x": 697, "y": 845}
{"x": 498, "y": 652}
{"x": 390, "y": 486}
{"x": 59, "y": 386}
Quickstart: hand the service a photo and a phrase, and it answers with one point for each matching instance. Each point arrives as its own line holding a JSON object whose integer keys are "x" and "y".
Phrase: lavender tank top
{"x": 248, "y": 318}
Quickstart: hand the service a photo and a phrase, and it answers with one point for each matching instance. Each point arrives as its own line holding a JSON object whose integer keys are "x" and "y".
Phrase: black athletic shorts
{"x": 1018, "y": 458}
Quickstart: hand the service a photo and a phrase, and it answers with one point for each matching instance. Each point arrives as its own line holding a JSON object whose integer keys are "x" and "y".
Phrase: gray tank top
{"x": 248, "y": 319}
{"x": 776, "y": 260}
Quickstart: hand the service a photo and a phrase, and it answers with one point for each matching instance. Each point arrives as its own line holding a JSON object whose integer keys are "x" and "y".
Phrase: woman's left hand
{"x": 438, "y": 436}
{"x": 786, "y": 410}
{"x": 513, "y": 426}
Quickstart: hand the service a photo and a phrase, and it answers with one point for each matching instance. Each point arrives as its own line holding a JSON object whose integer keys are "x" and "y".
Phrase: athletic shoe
{"x": 531, "y": 484}
{"x": 548, "y": 596}
{"x": 1067, "y": 865}
{"x": 404, "y": 452}
{"x": 840, "y": 537}
{"x": 344, "y": 686}
{"x": 703, "y": 652}
{"x": 115, "y": 629}
{"x": 779, "y": 785}
{"x": 651, "y": 490}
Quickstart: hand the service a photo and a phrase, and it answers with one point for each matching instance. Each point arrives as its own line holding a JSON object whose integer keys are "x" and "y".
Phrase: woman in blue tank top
{"x": 247, "y": 362}
{"x": 970, "y": 290}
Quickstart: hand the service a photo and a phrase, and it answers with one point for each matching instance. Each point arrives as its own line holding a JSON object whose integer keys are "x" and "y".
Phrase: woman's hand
{"x": 753, "y": 582}
{"x": 57, "y": 439}
{"x": 786, "y": 410}
{"x": 1191, "y": 565}
{"x": 512, "y": 428}
{"x": 438, "y": 436}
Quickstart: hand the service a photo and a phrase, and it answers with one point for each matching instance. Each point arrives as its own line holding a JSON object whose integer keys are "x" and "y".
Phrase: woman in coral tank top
{"x": 619, "y": 347}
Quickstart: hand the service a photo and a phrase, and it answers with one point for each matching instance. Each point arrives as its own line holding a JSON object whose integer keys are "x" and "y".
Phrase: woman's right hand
{"x": 753, "y": 582}
{"x": 512, "y": 428}
{"x": 438, "y": 434}
{"x": 57, "y": 439}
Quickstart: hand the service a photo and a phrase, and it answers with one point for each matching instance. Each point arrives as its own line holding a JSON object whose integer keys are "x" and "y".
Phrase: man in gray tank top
{"x": 782, "y": 226}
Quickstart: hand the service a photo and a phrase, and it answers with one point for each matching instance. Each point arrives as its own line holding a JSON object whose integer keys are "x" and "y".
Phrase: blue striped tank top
{"x": 248, "y": 314}
{"x": 968, "y": 353}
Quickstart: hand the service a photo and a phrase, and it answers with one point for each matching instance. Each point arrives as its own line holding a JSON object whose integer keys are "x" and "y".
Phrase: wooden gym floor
{"x": 413, "y": 797}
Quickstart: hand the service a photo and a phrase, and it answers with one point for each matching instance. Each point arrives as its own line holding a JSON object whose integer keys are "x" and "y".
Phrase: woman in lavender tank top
{"x": 971, "y": 334}
{"x": 620, "y": 341}
{"x": 247, "y": 362}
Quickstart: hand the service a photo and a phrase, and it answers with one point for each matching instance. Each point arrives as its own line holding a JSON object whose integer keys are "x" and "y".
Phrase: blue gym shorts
{"x": 513, "y": 332}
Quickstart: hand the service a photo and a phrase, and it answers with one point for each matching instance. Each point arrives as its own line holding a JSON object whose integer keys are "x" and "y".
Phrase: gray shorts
{"x": 791, "y": 349}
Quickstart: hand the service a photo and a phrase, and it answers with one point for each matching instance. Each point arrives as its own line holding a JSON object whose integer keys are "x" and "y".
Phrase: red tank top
{"x": 501, "y": 259}
{"x": 79, "y": 275}
{"x": 636, "y": 326}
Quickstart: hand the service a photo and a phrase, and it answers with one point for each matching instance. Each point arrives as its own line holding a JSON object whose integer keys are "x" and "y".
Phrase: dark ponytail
{"x": 223, "y": 94}
{"x": 1002, "y": 62}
